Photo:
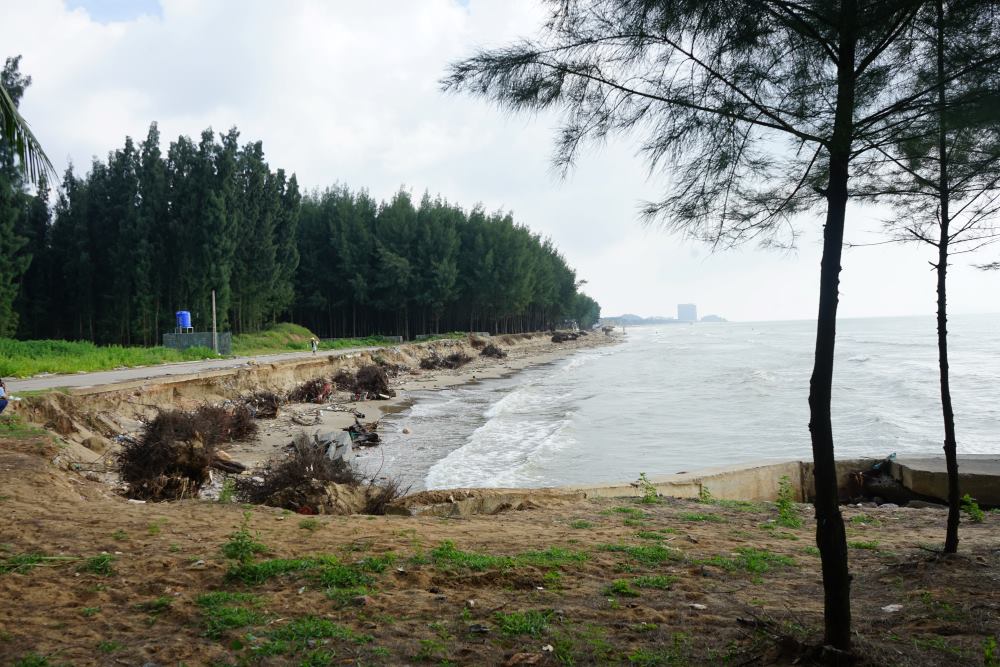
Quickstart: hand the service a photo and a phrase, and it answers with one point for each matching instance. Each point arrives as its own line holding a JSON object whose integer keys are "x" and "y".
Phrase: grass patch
{"x": 101, "y": 565}
{"x": 650, "y": 535}
{"x": 675, "y": 654}
{"x": 309, "y": 524}
{"x": 649, "y": 555}
{"x": 702, "y": 516}
{"x": 863, "y": 544}
{"x": 865, "y": 520}
{"x": 748, "y": 559}
{"x": 156, "y": 606}
{"x": 110, "y": 646}
{"x": 447, "y": 555}
{"x": 225, "y": 611}
{"x": 658, "y": 581}
{"x": 24, "y": 358}
{"x": 532, "y": 623}
{"x": 289, "y": 337}
{"x": 621, "y": 588}
{"x": 580, "y": 524}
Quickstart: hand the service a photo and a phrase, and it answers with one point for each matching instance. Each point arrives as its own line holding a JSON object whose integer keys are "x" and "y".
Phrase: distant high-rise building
{"x": 687, "y": 312}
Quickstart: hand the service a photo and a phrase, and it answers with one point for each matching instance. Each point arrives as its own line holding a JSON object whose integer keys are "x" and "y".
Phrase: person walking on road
{"x": 3, "y": 396}
{"x": 314, "y": 343}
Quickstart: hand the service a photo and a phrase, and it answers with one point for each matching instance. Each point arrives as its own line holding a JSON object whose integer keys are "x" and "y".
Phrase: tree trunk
{"x": 830, "y": 535}
{"x": 950, "y": 440}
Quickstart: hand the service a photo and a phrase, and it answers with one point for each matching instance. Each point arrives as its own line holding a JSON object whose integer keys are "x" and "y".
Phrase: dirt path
{"x": 88, "y": 578}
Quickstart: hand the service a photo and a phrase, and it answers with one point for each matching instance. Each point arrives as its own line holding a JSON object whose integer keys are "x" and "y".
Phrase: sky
{"x": 348, "y": 92}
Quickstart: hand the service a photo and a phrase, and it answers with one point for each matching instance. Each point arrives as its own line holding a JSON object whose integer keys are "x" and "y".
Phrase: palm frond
{"x": 33, "y": 160}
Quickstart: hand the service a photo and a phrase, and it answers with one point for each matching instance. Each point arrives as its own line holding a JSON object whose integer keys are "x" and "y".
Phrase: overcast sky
{"x": 347, "y": 91}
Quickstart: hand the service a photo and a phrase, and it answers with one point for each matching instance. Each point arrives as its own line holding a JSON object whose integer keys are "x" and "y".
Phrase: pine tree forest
{"x": 153, "y": 230}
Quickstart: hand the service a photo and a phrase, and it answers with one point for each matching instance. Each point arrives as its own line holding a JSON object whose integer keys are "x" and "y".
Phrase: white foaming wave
{"x": 433, "y": 407}
{"x": 518, "y": 425}
{"x": 859, "y": 358}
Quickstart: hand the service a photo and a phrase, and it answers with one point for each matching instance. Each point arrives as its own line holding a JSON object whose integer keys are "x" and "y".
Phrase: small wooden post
{"x": 215, "y": 335}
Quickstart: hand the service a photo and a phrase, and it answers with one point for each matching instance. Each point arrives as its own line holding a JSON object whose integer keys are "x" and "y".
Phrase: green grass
{"x": 242, "y": 545}
{"x": 863, "y": 544}
{"x": 702, "y": 516}
{"x": 865, "y": 520}
{"x": 754, "y": 561}
{"x": 446, "y": 555}
{"x": 621, "y": 588}
{"x": 156, "y": 606}
{"x": 581, "y": 524}
{"x": 32, "y": 660}
{"x": 224, "y": 611}
{"x": 110, "y": 646}
{"x": 658, "y": 581}
{"x": 309, "y": 524}
{"x": 649, "y": 555}
{"x": 515, "y": 623}
{"x": 294, "y": 338}
{"x": 101, "y": 565}
{"x": 972, "y": 509}
{"x": 24, "y": 358}
{"x": 632, "y": 512}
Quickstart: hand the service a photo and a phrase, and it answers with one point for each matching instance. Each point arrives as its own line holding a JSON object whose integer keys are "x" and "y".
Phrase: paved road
{"x": 98, "y": 378}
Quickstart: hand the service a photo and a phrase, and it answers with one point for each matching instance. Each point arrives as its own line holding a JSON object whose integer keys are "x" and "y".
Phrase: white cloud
{"x": 348, "y": 92}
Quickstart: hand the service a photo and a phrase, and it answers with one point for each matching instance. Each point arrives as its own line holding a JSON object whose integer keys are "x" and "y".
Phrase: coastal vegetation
{"x": 154, "y": 229}
{"x": 712, "y": 90}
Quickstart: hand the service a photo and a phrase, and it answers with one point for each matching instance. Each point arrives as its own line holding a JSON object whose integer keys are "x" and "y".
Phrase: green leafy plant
{"x": 704, "y": 495}
{"x": 242, "y": 545}
{"x": 228, "y": 491}
{"x": 531, "y": 623}
{"x": 101, "y": 565}
{"x": 622, "y": 588}
{"x": 991, "y": 657}
{"x": 309, "y": 524}
{"x": 650, "y": 495}
{"x": 972, "y": 509}
{"x": 788, "y": 515}
{"x": 580, "y": 524}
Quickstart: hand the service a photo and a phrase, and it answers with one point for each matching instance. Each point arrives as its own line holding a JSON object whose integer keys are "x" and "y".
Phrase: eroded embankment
{"x": 89, "y": 419}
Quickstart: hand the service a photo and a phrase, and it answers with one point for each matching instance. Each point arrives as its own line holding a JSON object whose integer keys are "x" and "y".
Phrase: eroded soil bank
{"x": 88, "y": 578}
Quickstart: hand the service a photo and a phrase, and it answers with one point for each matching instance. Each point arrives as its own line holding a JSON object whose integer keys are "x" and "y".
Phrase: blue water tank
{"x": 183, "y": 319}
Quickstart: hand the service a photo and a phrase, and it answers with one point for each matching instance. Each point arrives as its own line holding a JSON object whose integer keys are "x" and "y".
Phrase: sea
{"x": 681, "y": 397}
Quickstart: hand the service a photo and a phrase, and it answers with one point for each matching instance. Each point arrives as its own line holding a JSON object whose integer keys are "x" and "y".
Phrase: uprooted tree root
{"x": 373, "y": 380}
{"x": 493, "y": 351}
{"x": 452, "y": 361}
{"x": 172, "y": 458}
{"x": 264, "y": 404}
{"x": 311, "y": 391}
{"x": 307, "y": 481}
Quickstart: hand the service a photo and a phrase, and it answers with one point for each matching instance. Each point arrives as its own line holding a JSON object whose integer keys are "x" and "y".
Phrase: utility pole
{"x": 215, "y": 335}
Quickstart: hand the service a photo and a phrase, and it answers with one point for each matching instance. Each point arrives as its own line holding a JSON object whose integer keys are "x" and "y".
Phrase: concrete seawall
{"x": 979, "y": 476}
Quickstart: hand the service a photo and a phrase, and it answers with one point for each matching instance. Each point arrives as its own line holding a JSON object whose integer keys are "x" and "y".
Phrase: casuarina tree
{"x": 758, "y": 110}
{"x": 943, "y": 175}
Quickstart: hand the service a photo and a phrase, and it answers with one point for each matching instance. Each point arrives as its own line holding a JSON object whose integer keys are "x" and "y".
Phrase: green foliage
{"x": 101, "y": 565}
{"x": 991, "y": 656}
{"x": 109, "y": 646}
{"x": 156, "y": 606}
{"x": 447, "y": 555}
{"x": 621, "y": 588}
{"x": 704, "y": 495}
{"x": 972, "y": 509}
{"x": 788, "y": 515}
{"x": 32, "y": 660}
{"x": 223, "y": 611}
{"x": 754, "y": 561}
{"x": 865, "y": 520}
{"x": 581, "y": 524}
{"x": 532, "y": 623}
{"x": 242, "y": 545}
{"x": 863, "y": 544}
{"x": 649, "y": 555}
{"x": 26, "y": 358}
{"x": 20, "y": 563}
{"x": 228, "y": 491}
{"x": 659, "y": 581}
{"x": 676, "y": 655}
{"x": 650, "y": 495}
{"x": 702, "y": 516}
{"x": 309, "y": 524}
